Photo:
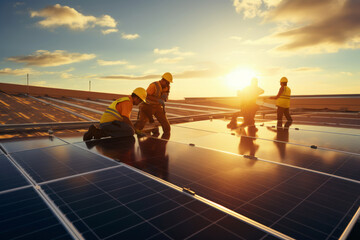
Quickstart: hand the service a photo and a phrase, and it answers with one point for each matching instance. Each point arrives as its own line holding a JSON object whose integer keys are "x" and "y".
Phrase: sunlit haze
{"x": 212, "y": 47}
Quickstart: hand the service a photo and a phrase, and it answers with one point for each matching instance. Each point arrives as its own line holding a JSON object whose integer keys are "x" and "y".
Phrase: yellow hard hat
{"x": 141, "y": 93}
{"x": 283, "y": 80}
{"x": 168, "y": 77}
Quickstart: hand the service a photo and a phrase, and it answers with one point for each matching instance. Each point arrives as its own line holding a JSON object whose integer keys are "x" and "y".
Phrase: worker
{"x": 248, "y": 106}
{"x": 157, "y": 94}
{"x": 283, "y": 102}
{"x": 115, "y": 121}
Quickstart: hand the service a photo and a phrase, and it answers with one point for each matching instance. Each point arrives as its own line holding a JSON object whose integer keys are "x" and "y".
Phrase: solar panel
{"x": 10, "y": 177}
{"x": 295, "y": 201}
{"x": 326, "y": 137}
{"x": 120, "y": 203}
{"x": 333, "y": 162}
{"x": 50, "y": 163}
{"x": 21, "y": 144}
{"x": 24, "y": 215}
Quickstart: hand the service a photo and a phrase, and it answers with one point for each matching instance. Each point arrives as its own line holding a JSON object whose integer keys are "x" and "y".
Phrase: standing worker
{"x": 249, "y": 107}
{"x": 115, "y": 121}
{"x": 283, "y": 102}
{"x": 157, "y": 94}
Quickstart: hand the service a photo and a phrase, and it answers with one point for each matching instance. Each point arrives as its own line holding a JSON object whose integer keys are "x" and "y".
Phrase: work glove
{"x": 140, "y": 133}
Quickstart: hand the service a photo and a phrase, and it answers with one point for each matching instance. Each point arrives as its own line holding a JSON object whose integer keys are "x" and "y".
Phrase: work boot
{"x": 98, "y": 133}
{"x": 232, "y": 124}
{"x": 90, "y": 133}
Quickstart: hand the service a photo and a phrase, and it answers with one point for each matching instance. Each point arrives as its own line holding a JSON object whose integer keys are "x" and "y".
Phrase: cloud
{"x": 57, "y": 16}
{"x": 168, "y": 60}
{"x": 174, "y": 50}
{"x": 306, "y": 25}
{"x": 131, "y": 77}
{"x": 129, "y": 36}
{"x": 106, "y": 21}
{"x": 111, "y": 63}
{"x": 254, "y": 8}
{"x": 66, "y": 75}
{"x": 110, "y": 30}
{"x": 250, "y": 8}
{"x": 304, "y": 10}
{"x": 46, "y": 58}
{"x": 338, "y": 28}
{"x": 131, "y": 66}
{"x": 17, "y": 4}
{"x": 307, "y": 69}
{"x": 17, "y": 72}
{"x": 200, "y": 73}
{"x": 204, "y": 73}
{"x": 347, "y": 73}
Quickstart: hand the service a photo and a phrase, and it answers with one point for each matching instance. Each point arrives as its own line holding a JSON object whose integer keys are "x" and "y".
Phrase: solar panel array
{"x": 64, "y": 189}
{"x": 64, "y": 192}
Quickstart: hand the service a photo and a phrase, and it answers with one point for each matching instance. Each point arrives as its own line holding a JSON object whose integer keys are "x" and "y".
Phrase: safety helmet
{"x": 141, "y": 93}
{"x": 283, "y": 80}
{"x": 168, "y": 77}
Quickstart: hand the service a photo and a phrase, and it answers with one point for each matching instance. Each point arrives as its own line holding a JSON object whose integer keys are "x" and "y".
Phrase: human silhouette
{"x": 248, "y": 105}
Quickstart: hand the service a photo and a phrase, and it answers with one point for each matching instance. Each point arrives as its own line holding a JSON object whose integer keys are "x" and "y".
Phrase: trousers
{"x": 116, "y": 129}
{"x": 146, "y": 110}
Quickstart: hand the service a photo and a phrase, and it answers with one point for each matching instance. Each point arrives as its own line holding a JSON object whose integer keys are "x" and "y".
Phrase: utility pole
{"x": 27, "y": 84}
{"x": 89, "y": 85}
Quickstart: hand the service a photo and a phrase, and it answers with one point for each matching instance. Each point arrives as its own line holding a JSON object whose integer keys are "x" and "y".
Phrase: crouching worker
{"x": 115, "y": 122}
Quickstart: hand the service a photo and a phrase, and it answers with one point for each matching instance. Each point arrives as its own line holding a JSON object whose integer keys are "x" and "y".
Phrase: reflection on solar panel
{"x": 314, "y": 201}
{"x": 123, "y": 204}
{"x": 14, "y": 145}
{"x": 50, "y": 163}
{"x": 10, "y": 177}
{"x": 286, "y": 188}
{"x": 24, "y": 215}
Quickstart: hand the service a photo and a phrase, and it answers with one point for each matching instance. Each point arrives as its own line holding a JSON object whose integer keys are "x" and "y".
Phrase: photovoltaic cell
{"x": 10, "y": 177}
{"x": 46, "y": 164}
{"x": 296, "y": 202}
{"x": 24, "y": 215}
{"x": 122, "y": 204}
{"x": 21, "y": 144}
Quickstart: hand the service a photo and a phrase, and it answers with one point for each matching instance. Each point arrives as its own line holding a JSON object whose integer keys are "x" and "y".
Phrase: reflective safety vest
{"x": 111, "y": 114}
{"x": 157, "y": 93}
{"x": 284, "y": 98}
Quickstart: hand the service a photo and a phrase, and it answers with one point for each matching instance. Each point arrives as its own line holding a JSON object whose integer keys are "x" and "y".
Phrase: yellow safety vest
{"x": 157, "y": 93}
{"x": 284, "y": 98}
{"x": 111, "y": 114}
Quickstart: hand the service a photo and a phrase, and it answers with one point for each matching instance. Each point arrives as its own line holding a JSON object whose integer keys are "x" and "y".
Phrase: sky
{"x": 213, "y": 48}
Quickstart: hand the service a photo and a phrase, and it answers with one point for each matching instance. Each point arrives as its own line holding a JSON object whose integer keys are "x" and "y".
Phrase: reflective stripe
{"x": 158, "y": 90}
{"x": 115, "y": 114}
{"x": 111, "y": 114}
{"x": 157, "y": 93}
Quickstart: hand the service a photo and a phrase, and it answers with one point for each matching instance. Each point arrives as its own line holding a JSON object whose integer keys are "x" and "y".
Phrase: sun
{"x": 239, "y": 78}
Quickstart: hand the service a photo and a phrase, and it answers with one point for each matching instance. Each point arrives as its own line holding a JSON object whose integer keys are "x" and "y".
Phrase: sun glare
{"x": 239, "y": 78}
